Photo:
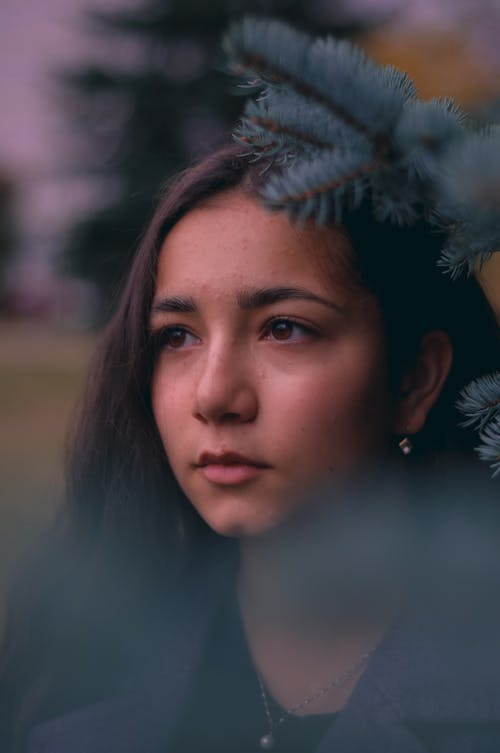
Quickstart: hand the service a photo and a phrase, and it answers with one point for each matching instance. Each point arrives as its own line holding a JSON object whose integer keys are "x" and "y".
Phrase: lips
{"x": 229, "y": 468}
{"x": 227, "y": 458}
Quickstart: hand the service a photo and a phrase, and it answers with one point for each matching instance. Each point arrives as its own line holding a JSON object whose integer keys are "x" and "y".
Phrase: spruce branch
{"x": 425, "y": 130}
{"x": 372, "y": 95}
{"x": 322, "y": 96}
{"x": 259, "y": 122}
{"x": 467, "y": 188}
{"x": 336, "y": 75}
{"x": 464, "y": 250}
{"x": 480, "y": 401}
{"x": 469, "y": 178}
{"x": 293, "y": 121}
{"x": 396, "y": 194}
{"x": 308, "y": 188}
{"x": 489, "y": 449}
{"x": 344, "y": 129}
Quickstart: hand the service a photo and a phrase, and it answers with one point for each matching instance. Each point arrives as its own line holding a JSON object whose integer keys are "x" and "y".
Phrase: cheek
{"x": 168, "y": 403}
{"x": 337, "y": 412}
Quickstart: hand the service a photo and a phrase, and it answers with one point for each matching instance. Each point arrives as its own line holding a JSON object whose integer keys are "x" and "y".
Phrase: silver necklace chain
{"x": 267, "y": 740}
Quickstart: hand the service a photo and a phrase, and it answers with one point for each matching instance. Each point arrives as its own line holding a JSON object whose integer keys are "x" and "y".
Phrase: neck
{"x": 300, "y": 642}
{"x": 280, "y": 586}
{"x": 302, "y": 625}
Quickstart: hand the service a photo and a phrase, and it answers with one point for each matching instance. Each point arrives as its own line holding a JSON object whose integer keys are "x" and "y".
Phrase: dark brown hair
{"x": 124, "y": 507}
{"x": 118, "y": 469}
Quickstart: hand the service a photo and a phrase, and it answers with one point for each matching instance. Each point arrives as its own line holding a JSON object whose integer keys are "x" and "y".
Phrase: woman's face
{"x": 270, "y": 374}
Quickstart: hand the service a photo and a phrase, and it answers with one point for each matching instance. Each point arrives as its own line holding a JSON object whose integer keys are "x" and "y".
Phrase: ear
{"x": 422, "y": 384}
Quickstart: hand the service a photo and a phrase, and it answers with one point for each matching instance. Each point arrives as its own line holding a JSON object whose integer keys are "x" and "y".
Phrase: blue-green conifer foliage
{"x": 340, "y": 129}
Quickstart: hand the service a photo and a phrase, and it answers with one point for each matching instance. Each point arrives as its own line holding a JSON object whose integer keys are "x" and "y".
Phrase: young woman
{"x": 199, "y": 596}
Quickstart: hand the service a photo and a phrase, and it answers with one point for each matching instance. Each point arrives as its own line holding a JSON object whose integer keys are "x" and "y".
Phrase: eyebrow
{"x": 175, "y": 303}
{"x": 247, "y": 300}
{"x": 252, "y": 299}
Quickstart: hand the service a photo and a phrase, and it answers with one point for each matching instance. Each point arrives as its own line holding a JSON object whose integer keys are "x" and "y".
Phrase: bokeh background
{"x": 101, "y": 102}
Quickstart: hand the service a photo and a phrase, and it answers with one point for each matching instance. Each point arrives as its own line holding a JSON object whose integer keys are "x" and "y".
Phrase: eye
{"x": 286, "y": 330}
{"x": 173, "y": 338}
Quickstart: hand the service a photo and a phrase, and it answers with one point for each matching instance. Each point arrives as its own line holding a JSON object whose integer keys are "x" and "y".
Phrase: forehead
{"x": 232, "y": 241}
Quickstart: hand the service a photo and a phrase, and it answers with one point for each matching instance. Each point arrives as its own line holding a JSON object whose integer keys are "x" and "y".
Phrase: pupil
{"x": 176, "y": 338}
{"x": 282, "y": 330}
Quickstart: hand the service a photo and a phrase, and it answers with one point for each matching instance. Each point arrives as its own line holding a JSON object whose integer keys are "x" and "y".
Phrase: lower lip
{"x": 230, "y": 474}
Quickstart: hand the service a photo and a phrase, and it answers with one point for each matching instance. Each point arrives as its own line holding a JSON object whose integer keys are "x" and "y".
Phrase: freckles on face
{"x": 269, "y": 375}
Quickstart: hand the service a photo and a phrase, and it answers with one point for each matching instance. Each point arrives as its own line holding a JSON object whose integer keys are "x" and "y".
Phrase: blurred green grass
{"x": 42, "y": 369}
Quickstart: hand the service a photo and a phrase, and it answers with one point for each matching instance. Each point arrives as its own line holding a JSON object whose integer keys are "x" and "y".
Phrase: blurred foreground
{"x": 41, "y": 374}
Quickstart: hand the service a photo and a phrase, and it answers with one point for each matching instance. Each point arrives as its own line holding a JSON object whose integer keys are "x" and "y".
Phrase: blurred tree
{"x": 6, "y": 227}
{"x": 150, "y": 114}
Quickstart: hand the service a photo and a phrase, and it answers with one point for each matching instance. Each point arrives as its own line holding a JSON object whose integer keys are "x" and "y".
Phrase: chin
{"x": 240, "y": 524}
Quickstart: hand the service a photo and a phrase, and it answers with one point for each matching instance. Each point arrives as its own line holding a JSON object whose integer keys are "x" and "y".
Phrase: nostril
{"x": 225, "y": 394}
{"x": 231, "y": 416}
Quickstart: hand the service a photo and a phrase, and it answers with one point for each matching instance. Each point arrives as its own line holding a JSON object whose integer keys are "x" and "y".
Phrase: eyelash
{"x": 304, "y": 329}
{"x": 160, "y": 338}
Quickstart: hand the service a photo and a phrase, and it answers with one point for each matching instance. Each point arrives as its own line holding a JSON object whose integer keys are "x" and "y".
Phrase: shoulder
{"x": 437, "y": 680}
{"x": 140, "y": 715}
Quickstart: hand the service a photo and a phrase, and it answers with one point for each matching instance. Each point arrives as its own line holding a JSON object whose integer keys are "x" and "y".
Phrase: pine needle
{"x": 480, "y": 401}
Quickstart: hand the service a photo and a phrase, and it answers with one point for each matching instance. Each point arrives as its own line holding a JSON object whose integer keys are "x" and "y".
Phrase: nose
{"x": 225, "y": 390}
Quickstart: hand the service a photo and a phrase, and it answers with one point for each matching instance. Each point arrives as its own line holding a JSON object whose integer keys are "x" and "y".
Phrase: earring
{"x": 405, "y": 446}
